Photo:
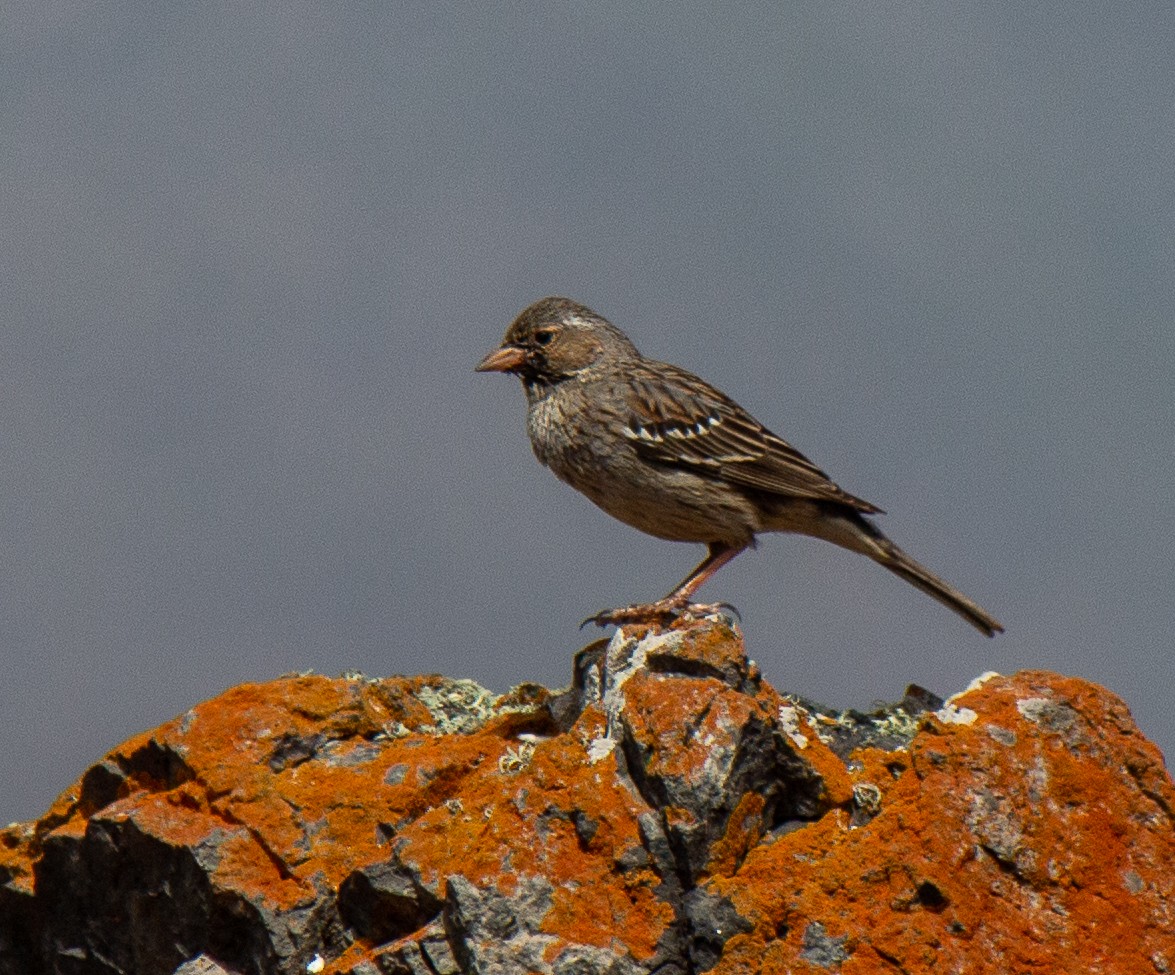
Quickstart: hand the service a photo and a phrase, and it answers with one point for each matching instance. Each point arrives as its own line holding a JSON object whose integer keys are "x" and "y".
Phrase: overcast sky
{"x": 251, "y": 253}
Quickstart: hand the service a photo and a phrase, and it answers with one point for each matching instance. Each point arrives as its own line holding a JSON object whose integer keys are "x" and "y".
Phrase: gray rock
{"x": 386, "y": 901}
{"x": 426, "y": 953}
{"x": 586, "y": 960}
{"x": 711, "y": 921}
{"x": 90, "y": 886}
{"x": 495, "y": 934}
{"x": 822, "y": 949}
{"x": 203, "y": 965}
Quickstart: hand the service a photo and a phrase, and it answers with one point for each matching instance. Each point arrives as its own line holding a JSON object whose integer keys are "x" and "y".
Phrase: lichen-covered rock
{"x": 668, "y": 812}
{"x": 1027, "y": 826}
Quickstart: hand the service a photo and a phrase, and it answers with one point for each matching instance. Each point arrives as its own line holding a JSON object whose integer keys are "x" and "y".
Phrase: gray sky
{"x": 251, "y": 253}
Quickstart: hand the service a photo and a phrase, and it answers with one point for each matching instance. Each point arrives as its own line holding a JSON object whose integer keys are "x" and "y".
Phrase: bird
{"x": 662, "y": 450}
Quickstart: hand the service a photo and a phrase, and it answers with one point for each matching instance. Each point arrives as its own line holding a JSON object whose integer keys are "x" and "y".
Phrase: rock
{"x": 1012, "y": 833}
{"x": 202, "y": 965}
{"x": 667, "y": 812}
{"x": 702, "y": 744}
{"x": 385, "y": 901}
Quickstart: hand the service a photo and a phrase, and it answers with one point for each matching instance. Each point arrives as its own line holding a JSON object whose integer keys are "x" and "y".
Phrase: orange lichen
{"x": 996, "y": 848}
{"x": 1026, "y": 827}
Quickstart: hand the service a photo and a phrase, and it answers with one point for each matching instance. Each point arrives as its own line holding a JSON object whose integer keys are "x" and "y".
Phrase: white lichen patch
{"x": 1034, "y": 709}
{"x": 951, "y": 714}
{"x": 977, "y": 683}
{"x": 819, "y": 723}
{"x": 457, "y": 706}
{"x": 395, "y": 729}
{"x": 898, "y": 723}
{"x": 516, "y": 759}
{"x": 625, "y": 657}
{"x": 867, "y": 797}
{"x": 789, "y": 723}
{"x": 600, "y": 748}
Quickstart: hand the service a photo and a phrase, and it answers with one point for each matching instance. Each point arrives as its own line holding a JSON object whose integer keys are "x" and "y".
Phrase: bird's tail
{"x": 899, "y": 563}
{"x": 852, "y": 531}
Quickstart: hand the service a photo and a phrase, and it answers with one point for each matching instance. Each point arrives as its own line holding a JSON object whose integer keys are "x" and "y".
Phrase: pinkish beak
{"x": 506, "y": 359}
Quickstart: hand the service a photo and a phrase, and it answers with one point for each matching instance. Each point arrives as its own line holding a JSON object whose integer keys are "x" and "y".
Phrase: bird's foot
{"x": 663, "y": 612}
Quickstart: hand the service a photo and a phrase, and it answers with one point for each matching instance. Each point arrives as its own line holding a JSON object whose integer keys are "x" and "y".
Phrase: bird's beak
{"x": 506, "y": 359}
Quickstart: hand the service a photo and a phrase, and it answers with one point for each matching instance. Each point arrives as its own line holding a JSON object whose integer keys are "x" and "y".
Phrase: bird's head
{"x": 555, "y": 339}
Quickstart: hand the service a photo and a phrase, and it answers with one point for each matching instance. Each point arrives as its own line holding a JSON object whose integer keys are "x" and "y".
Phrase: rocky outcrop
{"x": 669, "y": 812}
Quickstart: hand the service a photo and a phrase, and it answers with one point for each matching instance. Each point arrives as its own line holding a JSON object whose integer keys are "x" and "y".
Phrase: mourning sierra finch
{"x": 665, "y": 452}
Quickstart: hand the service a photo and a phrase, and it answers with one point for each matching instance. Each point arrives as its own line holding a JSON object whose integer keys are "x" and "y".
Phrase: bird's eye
{"x": 544, "y": 335}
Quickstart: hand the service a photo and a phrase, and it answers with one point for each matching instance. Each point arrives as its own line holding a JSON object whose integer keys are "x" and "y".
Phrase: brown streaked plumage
{"x": 664, "y": 451}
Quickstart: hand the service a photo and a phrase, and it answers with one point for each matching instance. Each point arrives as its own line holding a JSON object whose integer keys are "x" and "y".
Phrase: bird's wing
{"x": 676, "y": 418}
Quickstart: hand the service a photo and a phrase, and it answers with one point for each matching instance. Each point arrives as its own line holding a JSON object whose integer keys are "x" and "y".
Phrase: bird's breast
{"x": 586, "y": 448}
{"x": 560, "y": 436}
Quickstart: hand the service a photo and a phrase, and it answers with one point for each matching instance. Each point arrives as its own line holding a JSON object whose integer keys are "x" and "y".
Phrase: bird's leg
{"x": 716, "y": 557}
{"x": 677, "y": 603}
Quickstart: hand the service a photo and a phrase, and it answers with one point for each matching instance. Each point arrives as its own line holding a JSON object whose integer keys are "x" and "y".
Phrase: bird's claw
{"x": 644, "y": 613}
{"x": 664, "y": 611}
{"x": 727, "y": 609}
